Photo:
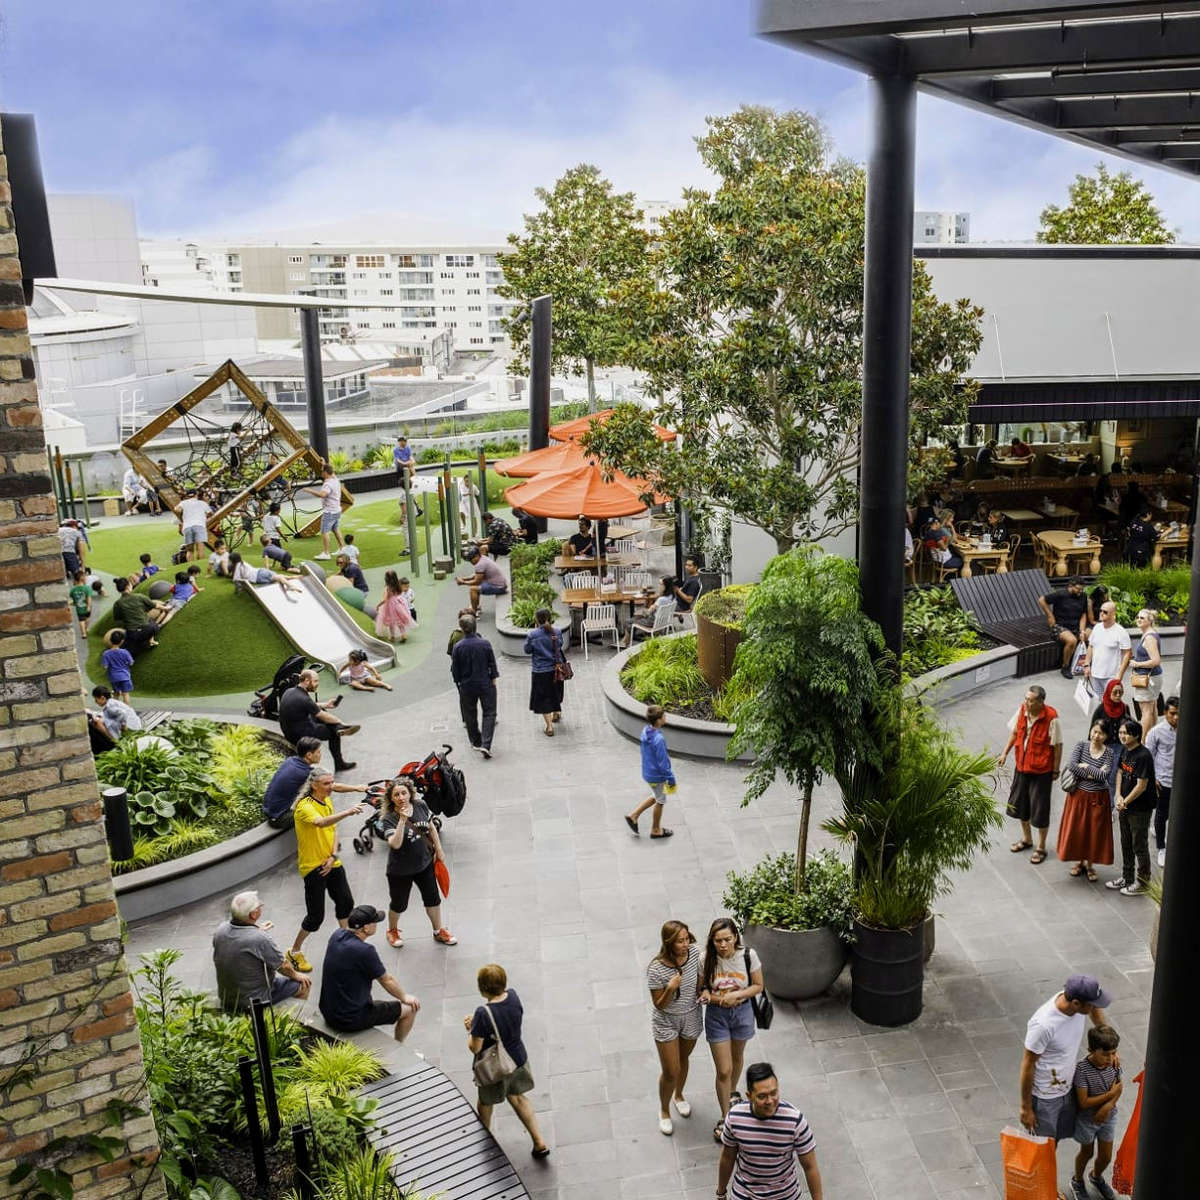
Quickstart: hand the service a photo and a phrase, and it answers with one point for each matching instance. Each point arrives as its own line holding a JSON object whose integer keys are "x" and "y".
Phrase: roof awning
{"x": 1014, "y": 401}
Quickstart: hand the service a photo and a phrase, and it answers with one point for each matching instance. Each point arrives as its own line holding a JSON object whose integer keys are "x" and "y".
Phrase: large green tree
{"x": 585, "y": 241}
{"x": 749, "y": 329}
{"x": 1105, "y": 209}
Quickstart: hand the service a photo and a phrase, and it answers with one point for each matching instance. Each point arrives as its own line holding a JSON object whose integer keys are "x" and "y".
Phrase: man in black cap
{"x": 1052, "y": 1040}
{"x": 352, "y": 964}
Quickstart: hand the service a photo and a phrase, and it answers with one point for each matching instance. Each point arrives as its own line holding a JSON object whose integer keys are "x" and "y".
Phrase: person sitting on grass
{"x": 147, "y": 571}
{"x": 140, "y": 617}
{"x": 350, "y": 570}
{"x": 118, "y": 663}
{"x": 275, "y": 555}
{"x": 81, "y": 600}
{"x": 272, "y": 526}
{"x": 193, "y": 574}
{"x": 218, "y": 560}
{"x": 349, "y": 549}
{"x": 360, "y": 674}
{"x": 244, "y": 575}
{"x": 182, "y": 590}
{"x": 488, "y": 579}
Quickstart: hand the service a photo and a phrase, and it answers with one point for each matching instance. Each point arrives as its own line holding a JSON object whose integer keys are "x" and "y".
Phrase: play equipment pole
{"x": 455, "y": 523}
{"x": 70, "y": 489}
{"x": 442, "y": 515}
{"x": 410, "y": 519}
{"x": 87, "y": 508}
{"x": 428, "y": 539}
{"x": 314, "y": 383}
{"x": 483, "y": 500}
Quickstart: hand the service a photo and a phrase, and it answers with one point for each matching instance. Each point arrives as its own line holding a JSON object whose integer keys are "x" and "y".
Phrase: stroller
{"x": 438, "y": 782}
{"x": 266, "y": 699}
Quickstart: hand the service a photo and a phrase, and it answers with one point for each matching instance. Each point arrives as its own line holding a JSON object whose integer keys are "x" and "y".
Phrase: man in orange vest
{"x": 1035, "y": 736}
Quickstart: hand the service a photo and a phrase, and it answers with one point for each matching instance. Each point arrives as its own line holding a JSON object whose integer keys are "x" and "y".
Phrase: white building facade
{"x": 941, "y": 228}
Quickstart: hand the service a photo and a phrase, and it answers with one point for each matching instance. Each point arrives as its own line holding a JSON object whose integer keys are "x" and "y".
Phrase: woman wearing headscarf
{"x": 1111, "y": 711}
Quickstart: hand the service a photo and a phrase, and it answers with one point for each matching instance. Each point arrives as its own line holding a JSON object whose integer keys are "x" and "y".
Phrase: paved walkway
{"x": 549, "y": 882}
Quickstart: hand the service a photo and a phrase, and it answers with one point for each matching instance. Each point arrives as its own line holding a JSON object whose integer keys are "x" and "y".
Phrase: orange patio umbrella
{"x": 569, "y": 430}
{"x": 581, "y": 491}
{"x": 561, "y": 457}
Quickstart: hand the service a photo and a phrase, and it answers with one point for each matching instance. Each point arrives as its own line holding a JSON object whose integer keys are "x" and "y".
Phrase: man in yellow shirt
{"x": 320, "y": 868}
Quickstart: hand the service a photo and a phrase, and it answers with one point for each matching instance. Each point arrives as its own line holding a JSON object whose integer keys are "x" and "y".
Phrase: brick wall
{"x": 66, "y": 1010}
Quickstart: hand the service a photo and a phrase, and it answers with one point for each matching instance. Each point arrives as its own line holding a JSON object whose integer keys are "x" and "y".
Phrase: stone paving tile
{"x": 548, "y": 881}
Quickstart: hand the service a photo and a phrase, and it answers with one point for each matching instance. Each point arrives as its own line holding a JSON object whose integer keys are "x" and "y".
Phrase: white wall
{"x": 95, "y": 237}
{"x": 176, "y": 335}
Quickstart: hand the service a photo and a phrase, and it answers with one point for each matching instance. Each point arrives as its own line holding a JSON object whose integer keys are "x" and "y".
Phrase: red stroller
{"x": 438, "y": 782}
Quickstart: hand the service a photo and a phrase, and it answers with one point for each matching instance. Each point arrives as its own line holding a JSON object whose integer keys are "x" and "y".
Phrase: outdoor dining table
{"x": 1172, "y": 509}
{"x": 564, "y": 562}
{"x": 1022, "y": 516}
{"x": 1063, "y": 547}
{"x": 1173, "y": 542}
{"x": 1015, "y": 465}
{"x": 617, "y": 533}
{"x": 1061, "y": 512}
{"x": 580, "y": 598}
{"x": 973, "y": 550}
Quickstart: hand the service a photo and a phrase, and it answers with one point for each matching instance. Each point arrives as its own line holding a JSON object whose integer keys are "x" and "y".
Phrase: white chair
{"x": 658, "y": 621}
{"x": 602, "y": 619}
{"x": 631, "y": 578}
{"x": 652, "y": 538}
{"x": 581, "y": 579}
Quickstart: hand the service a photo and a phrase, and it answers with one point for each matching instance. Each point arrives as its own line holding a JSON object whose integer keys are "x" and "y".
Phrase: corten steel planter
{"x": 715, "y": 647}
{"x": 797, "y": 963}
{"x": 887, "y": 974}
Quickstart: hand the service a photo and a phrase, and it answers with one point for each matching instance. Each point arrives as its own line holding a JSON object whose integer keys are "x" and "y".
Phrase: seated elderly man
{"x": 250, "y": 966}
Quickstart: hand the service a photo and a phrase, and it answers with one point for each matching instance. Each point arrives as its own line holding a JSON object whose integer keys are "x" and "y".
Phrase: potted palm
{"x": 806, "y": 676}
{"x": 924, "y": 813}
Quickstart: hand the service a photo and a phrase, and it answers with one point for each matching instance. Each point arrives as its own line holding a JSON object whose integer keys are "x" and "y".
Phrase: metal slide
{"x": 318, "y": 624}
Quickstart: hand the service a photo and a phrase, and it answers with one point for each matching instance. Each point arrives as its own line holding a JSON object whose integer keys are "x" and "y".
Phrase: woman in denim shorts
{"x": 673, "y": 977}
{"x": 731, "y": 976}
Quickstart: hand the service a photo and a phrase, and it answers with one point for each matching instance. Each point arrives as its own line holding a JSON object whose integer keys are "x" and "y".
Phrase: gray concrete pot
{"x": 930, "y": 936}
{"x": 797, "y": 963}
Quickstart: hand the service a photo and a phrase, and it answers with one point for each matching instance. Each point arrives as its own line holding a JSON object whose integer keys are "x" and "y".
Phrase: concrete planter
{"x": 510, "y": 638}
{"x": 798, "y": 963}
{"x": 930, "y": 936}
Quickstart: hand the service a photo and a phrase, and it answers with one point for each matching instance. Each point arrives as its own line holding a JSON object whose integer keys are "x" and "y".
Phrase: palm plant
{"x": 925, "y": 813}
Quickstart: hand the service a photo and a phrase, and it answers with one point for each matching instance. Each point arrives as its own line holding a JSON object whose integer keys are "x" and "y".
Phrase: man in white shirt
{"x": 1052, "y": 1040}
{"x": 193, "y": 524}
{"x": 1109, "y": 651}
{"x": 330, "y": 493}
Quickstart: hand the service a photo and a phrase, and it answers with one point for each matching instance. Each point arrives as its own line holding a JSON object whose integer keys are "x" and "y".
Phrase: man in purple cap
{"x": 1052, "y": 1040}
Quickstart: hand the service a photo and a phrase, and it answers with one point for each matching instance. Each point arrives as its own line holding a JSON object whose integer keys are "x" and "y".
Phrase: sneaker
{"x": 1102, "y": 1187}
{"x": 347, "y": 730}
{"x": 299, "y": 962}
{"x": 1136, "y": 888}
{"x": 485, "y": 751}
{"x": 1116, "y": 885}
{"x": 1079, "y": 1188}
{"x": 322, "y": 556}
{"x": 665, "y": 1127}
{"x": 1065, "y": 672}
{"x": 1162, "y": 857}
{"x": 445, "y": 937}
{"x": 345, "y": 766}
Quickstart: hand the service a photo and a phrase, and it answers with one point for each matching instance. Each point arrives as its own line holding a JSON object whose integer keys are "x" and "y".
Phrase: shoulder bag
{"x": 562, "y": 669}
{"x": 1067, "y": 779}
{"x": 493, "y": 1064}
{"x": 764, "y": 1010}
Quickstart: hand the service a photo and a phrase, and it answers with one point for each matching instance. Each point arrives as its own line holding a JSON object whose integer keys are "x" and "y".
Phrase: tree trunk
{"x": 802, "y": 839}
{"x": 591, "y": 382}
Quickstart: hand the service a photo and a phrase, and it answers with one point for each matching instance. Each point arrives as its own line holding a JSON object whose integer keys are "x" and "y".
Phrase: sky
{"x": 438, "y": 118}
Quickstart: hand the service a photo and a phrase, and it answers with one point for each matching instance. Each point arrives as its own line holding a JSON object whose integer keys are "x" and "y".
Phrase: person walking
{"x": 673, "y": 977}
{"x": 656, "y": 771}
{"x": 1085, "y": 828}
{"x": 301, "y": 714}
{"x": 249, "y": 965}
{"x": 1108, "y": 651}
{"x": 732, "y": 976}
{"x": 1160, "y": 741}
{"x": 474, "y": 671}
{"x": 499, "y": 1018}
{"x": 1135, "y": 806}
{"x": 762, "y": 1140}
{"x": 545, "y": 688}
{"x": 317, "y": 860}
{"x": 1052, "y": 1039}
{"x": 1035, "y": 736}
{"x": 351, "y": 966}
{"x": 330, "y": 494}
{"x": 414, "y": 847}
{"x": 1146, "y": 673}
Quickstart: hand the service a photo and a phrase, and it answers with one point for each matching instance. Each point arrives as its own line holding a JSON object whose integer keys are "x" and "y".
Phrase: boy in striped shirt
{"x": 1097, "y": 1086}
{"x": 763, "y": 1136}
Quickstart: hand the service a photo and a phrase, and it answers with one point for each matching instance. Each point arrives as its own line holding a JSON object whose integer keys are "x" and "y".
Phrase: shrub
{"x": 726, "y": 606}
{"x": 326, "y": 1071}
{"x": 1134, "y": 588}
{"x": 766, "y": 895}
{"x": 237, "y": 750}
{"x": 665, "y": 671}
{"x": 936, "y": 631}
{"x": 530, "y": 572}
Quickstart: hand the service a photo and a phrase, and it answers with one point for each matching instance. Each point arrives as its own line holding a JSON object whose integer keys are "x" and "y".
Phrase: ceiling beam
{"x": 1125, "y": 112}
{"x": 1064, "y": 84}
{"x": 1180, "y": 152}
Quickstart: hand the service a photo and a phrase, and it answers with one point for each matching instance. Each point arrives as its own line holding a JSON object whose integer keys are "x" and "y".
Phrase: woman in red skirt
{"x": 1085, "y": 831}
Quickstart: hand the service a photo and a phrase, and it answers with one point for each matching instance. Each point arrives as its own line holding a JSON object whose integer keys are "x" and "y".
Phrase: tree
{"x": 807, "y": 669}
{"x": 749, "y": 329}
{"x": 1106, "y": 210}
{"x": 585, "y": 241}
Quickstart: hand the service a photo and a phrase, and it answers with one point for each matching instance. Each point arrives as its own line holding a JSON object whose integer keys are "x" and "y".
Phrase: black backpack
{"x": 454, "y": 791}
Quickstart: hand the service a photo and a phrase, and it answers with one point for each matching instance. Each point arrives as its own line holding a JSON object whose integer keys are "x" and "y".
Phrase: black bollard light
{"x": 257, "y": 1149}
{"x": 304, "y": 1169}
{"x": 262, "y": 1051}
{"x": 116, "y": 824}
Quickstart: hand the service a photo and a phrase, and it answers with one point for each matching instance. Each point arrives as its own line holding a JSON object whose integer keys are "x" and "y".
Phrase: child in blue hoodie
{"x": 656, "y": 771}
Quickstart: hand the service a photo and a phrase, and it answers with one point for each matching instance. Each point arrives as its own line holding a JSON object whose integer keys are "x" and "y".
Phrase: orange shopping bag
{"x": 1030, "y": 1171}
{"x": 1125, "y": 1163}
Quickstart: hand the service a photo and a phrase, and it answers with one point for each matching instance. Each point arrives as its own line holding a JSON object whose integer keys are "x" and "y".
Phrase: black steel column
{"x": 887, "y": 328}
{"x": 540, "y": 338}
{"x": 1168, "y": 1126}
{"x": 314, "y": 381}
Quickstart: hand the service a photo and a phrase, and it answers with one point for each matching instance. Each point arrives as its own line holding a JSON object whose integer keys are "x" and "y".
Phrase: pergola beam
{"x": 1063, "y": 85}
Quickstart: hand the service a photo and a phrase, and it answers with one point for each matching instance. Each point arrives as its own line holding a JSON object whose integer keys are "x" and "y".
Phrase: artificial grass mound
{"x": 221, "y": 642}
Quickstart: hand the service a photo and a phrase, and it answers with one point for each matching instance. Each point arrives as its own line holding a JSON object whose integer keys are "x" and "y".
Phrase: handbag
{"x": 493, "y": 1064}
{"x": 562, "y": 669}
{"x": 1138, "y": 680}
{"x": 764, "y": 1010}
{"x": 1030, "y": 1171}
{"x": 1067, "y": 779}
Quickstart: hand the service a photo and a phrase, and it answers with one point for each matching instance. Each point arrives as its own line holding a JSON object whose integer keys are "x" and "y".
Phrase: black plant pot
{"x": 887, "y": 974}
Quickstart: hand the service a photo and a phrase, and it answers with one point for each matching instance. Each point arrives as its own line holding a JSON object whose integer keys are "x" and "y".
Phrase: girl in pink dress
{"x": 392, "y": 618}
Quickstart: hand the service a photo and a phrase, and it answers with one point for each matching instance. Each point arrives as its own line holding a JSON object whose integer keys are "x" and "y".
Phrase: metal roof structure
{"x": 1120, "y": 77}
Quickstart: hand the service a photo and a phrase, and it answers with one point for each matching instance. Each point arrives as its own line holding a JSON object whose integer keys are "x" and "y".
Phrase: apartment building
{"x": 941, "y": 228}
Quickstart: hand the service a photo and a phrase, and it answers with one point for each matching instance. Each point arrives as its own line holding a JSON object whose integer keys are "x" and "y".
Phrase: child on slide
{"x": 244, "y": 575}
{"x": 359, "y": 673}
{"x": 392, "y": 618}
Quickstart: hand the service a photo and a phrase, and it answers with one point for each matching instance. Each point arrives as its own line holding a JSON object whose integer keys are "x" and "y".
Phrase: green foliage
{"x": 1133, "y": 588}
{"x": 806, "y": 666}
{"x": 134, "y": 769}
{"x": 378, "y": 457}
{"x": 325, "y": 1071}
{"x": 925, "y": 812}
{"x": 726, "y": 606}
{"x": 180, "y": 839}
{"x": 1106, "y": 209}
{"x": 766, "y": 894}
{"x": 362, "y": 1175}
{"x": 530, "y": 567}
{"x": 748, "y": 327}
{"x": 237, "y": 750}
{"x": 585, "y": 240}
{"x": 189, "y": 735}
{"x": 936, "y": 630}
{"x": 665, "y": 671}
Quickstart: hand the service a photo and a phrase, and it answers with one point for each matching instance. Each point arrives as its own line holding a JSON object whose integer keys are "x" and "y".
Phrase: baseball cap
{"x": 1078, "y": 987}
{"x": 367, "y": 914}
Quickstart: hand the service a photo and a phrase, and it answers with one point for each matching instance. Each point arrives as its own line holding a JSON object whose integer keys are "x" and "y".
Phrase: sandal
{"x": 1038, "y": 856}
{"x": 1076, "y": 871}
{"x": 718, "y": 1130}
{"x": 394, "y": 938}
{"x": 663, "y": 833}
{"x": 1092, "y": 876}
{"x": 1017, "y": 847}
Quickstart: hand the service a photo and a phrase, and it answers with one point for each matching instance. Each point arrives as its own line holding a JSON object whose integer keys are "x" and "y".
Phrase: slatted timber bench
{"x": 1006, "y": 608}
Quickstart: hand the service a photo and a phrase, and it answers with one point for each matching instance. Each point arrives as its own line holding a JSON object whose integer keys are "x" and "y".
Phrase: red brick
{"x": 30, "y": 868}
{"x": 119, "y": 1166}
{"x": 85, "y": 813}
{"x": 37, "y": 618}
{"x": 117, "y": 1003}
{"x": 14, "y": 529}
{"x": 8, "y": 997}
{"x": 26, "y": 1145}
{"x": 37, "y": 571}
{"x": 88, "y": 915}
{"x": 24, "y": 416}
{"x": 13, "y": 318}
{"x": 101, "y": 1029}
{"x": 38, "y": 506}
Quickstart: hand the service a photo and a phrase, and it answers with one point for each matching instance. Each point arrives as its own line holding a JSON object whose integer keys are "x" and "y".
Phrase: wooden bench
{"x": 1006, "y": 608}
{"x": 154, "y": 717}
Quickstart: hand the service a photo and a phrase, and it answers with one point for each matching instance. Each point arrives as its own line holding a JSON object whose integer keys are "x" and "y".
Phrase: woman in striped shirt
{"x": 673, "y": 978}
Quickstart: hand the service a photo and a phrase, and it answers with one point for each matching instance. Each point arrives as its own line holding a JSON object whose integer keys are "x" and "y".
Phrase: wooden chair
{"x": 940, "y": 572}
